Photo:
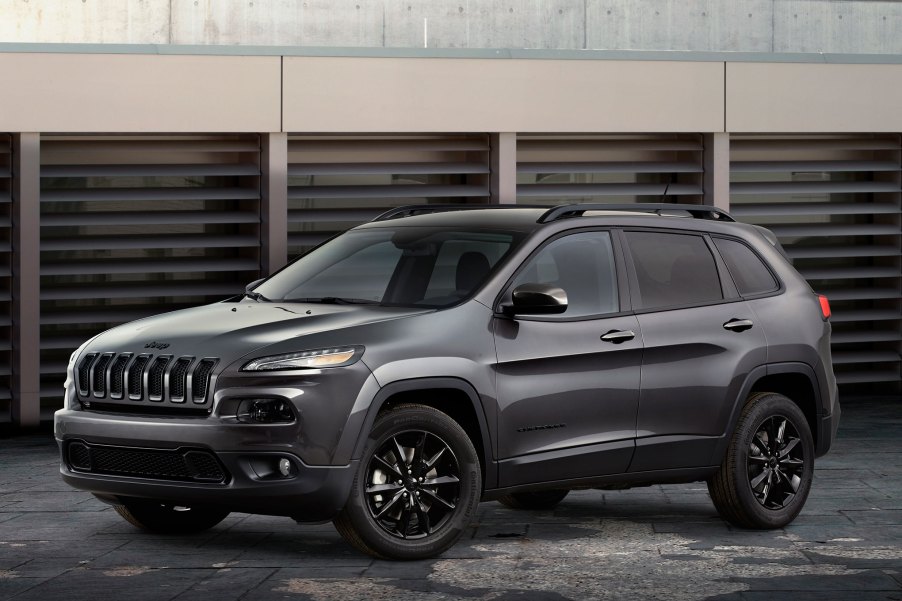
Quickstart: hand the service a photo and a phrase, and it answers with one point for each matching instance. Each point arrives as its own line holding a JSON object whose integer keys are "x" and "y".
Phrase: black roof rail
{"x": 696, "y": 211}
{"x": 411, "y": 210}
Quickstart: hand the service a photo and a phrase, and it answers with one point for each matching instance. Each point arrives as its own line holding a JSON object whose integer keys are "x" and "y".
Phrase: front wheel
{"x": 169, "y": 518}
{"x": 766, "y": 475}
{"x": 417, "y": 486}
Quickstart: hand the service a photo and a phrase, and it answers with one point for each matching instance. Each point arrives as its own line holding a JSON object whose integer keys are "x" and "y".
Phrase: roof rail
{"x": 411, "y": 210}
{"x": 696, "y": 211}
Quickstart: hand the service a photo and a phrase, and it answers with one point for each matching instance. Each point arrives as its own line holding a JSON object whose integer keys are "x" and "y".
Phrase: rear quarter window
{"x": 748, "y": 271}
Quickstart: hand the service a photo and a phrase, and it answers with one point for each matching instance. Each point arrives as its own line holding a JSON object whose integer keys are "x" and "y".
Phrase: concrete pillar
{"x": 504, "y": 168}
{"x": 274, "y": 204}
{"x": 717, "y": 170}
{"x": 26, "y": 280}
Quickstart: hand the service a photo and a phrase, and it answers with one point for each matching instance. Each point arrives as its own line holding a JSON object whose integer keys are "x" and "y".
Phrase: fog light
{"x": 265, "y": 411}
{"x": 284, "y": 467}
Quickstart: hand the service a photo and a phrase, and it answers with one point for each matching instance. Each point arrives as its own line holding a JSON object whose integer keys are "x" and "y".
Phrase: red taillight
{"x": 825, "y": 306}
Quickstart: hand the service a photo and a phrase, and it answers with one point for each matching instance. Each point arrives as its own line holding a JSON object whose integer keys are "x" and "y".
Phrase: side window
{"x": 673, "y": 269}
{"x": 749, "y": 272}
{"x": 583, "y": 266}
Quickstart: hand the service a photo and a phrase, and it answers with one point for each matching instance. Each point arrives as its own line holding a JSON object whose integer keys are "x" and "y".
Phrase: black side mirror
{"x": 536, "y": 299}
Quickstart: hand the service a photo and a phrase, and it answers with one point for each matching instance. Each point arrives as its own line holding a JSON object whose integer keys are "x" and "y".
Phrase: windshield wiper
{"x": 257, "y": 297}
{"x": 336, "y": 300}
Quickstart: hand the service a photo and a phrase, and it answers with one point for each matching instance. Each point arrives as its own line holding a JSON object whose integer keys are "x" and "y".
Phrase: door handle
{"x": 618, "y": 336}
{"x": 738, "y": 325}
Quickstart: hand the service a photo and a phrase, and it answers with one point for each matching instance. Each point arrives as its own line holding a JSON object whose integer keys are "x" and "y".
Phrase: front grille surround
{"x": 109, "y": 377}
{"x": 179, "y": 465}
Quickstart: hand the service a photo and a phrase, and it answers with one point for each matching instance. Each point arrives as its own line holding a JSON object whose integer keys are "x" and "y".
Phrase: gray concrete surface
{"x": 647, "y": 543}
{"x": 844, "y": 26}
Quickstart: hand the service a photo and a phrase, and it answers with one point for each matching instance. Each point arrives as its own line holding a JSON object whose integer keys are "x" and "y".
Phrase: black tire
{"x": 169, "y": 518}
{"x": 417, "y": 486}
{"x": 766, "y": 475}
{"x": 539, "y": 499}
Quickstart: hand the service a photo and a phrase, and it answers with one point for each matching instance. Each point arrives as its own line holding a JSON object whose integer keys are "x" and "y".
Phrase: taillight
{"x": 825, "y": 306}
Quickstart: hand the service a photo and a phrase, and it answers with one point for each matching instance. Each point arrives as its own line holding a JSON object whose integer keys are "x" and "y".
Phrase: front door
{"x": 568, "y": 384}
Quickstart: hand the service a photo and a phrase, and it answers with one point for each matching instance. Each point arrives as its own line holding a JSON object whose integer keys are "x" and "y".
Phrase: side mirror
{"x": 536, "y": 299}
{"x": 253, "y": 285}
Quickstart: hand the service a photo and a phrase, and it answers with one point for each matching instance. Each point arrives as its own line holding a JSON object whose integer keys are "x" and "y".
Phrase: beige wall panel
{"x": 792, "y": 97}
{"x": 323, "y": 94}
{"x": 139, "y": 93}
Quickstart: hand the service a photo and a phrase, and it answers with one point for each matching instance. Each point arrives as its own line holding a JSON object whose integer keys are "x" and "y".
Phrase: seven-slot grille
{"x": 144, "y": 377}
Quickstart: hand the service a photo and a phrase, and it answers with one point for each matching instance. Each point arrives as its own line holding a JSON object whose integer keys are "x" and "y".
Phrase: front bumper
{"x": 309, "y": 493}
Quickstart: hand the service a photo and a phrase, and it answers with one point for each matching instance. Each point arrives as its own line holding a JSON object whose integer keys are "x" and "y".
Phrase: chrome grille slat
{"x": 164, "y": 379}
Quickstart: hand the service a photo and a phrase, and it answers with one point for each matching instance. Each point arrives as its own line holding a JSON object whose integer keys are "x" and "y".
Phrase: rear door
{"x": 701, "y": 340}
{"x": 568, "y": 384}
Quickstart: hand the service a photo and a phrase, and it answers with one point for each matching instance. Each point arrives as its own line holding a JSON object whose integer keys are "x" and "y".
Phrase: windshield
{"x": 400, "y": 266}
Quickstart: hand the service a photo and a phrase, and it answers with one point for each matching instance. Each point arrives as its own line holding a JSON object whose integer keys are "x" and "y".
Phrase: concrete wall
{"x": 837, "y": 26}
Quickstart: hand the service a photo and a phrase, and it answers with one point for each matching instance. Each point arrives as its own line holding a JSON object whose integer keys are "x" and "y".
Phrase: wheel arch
{"x": 796, "y": 381}
{"x": 454, "y": 397}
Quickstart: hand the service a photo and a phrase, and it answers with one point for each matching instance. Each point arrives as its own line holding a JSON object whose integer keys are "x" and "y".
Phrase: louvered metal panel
{"x": 609, "y": 168}
{"x": 133, "y": 226}
{"x": 337, "y": 182}
{"x": 5, "y": 277}
{"x": 834, "y": 202}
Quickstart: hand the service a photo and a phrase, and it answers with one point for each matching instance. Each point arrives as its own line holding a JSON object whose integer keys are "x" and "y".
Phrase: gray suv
{"x": 437, "y": 356}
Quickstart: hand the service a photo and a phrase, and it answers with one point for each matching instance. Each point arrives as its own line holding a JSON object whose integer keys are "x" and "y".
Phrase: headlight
{"x": 328, "y": 357}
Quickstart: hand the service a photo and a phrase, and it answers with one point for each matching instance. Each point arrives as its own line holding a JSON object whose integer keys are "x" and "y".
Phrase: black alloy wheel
{"x": 776, "y": 463}
{"x": 416, "y": 488}
{"x": 768, "y": 468}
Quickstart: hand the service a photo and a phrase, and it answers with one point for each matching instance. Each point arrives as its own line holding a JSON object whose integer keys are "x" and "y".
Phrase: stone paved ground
{"x": 647, "y": 543}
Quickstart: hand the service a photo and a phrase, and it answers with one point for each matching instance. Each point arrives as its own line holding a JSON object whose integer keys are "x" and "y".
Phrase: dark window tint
{"x": 749, "y": 273}
{"x": 673, "y": 269}
{"x": 583, "y": 266}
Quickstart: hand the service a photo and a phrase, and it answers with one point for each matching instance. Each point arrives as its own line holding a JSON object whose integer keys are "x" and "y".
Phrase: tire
{"x": 766, "y": 475}
{"x": 169, "y": 518}
{"x": 539, "y": 499}
{"x": 440, "y": 486}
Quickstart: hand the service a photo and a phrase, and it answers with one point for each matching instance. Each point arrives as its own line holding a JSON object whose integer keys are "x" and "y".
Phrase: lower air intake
{"x": 191, "y": 465}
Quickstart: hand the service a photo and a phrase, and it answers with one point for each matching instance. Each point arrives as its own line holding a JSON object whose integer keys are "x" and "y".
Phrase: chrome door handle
{"x": 618, "y": 336}
{"x": 738, "y": 325}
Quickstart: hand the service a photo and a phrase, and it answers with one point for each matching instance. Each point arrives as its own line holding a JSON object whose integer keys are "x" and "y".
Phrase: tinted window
{"x": 583, "y": 266}
{"x": 673, "y": 269}
{"x": 749, "y": 273}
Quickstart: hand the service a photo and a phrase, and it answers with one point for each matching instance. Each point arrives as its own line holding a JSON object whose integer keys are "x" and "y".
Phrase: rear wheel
{"x": 417, "y": 486}
{"x": 766, "y": 475}
{"x": 539, "y": 499}
{"x": 169, "y": 518}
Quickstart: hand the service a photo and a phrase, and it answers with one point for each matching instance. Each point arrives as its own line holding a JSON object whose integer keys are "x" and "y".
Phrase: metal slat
{"x": 825, "y": 230}
{"x": 175, "y": 288}
{"x": 811, "y": 166}
{"x": 852, "y": 315}
{"x": 57, "y": 342}
{"x": 387, "y": 191}
{"x": 813, "y": 208}
{"x": 387, "y": 168}
{"x": 858, "y": 337}
{"x": 738, "y": 145}
{"x": 772, "y": 188}
{"x": 849, "y": 357}
{"x": 840, "y": 251}
{"x": 382, "y": 145}
{"x": 153, "y": 170}
{"x": 849, "y": 294}
{"x": 148, "y": 194}
{"x": 101, "y": 316}
{"x": 864, "y": 377}
{"x": 174, "y": 265}
{"x": 528, "y": 144}
{"x": 308, "y": 238}
{"x": 610, "y": 167}
{"x": 148, "y": 218}
{"x": 83, "y": 146}
{"x": 140, "y": 241}
{"x": 844, "y": 273}
{"x": 570, "y": 190}
{"x": 333, "y": 215}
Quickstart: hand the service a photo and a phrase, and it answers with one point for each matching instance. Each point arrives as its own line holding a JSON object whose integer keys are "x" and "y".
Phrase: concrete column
{"x": 26, "y": 272}
{"x": 274, "y": 204}
{"x": 717, "y": 170}
{"x": 504, "y": 168}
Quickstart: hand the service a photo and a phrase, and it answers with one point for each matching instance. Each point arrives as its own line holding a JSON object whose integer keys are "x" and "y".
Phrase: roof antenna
{"x": 664, "y": 196}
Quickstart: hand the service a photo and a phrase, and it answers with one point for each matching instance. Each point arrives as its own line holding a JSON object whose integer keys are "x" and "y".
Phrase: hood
{"x": 231, "y": 330}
